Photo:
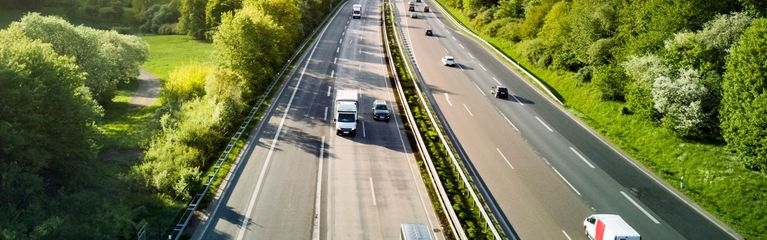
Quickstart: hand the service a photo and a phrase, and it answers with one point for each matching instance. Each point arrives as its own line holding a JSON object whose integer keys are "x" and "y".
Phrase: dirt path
{"x": 148, "y": 89}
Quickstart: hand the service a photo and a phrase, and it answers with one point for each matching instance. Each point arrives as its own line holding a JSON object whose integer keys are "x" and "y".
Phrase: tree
{"x": 642, "y": 72}
{"x": 645, "y": 25}
{"x": 160, "y": 18}
{"x": 592, "y": 22}
{"x": 554, "y": 34}
{"x": 724, "y": 30}
{"x": 105, "y": 56}
{"x": 509, "y": 9}
{"x": 192, "y": 18}
{"x": 39, "y": 87}
{"x": 286, "y": 15}
{"x": 681, "y": 100}
{"x": 755, "y": 7}
{"x": 744, "y": 102}
{"x": 611, "y": 81}
{"x": 246, "y": 43}
{"x": 213, "y": 11}
{"x": 535, "y": 13}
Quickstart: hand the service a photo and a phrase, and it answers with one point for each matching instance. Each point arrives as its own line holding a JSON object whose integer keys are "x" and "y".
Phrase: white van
{"x": 609, "y": 227}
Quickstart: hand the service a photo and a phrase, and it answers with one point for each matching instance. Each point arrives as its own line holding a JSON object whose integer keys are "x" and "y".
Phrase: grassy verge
{"x": 468, "y": 213}
{"x": 705, "y": 173}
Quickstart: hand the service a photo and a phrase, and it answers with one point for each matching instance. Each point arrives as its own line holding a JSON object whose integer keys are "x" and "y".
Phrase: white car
{"x": 448, "y": 61}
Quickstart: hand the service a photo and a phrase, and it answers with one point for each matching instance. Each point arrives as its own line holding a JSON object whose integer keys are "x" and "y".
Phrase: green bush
{"x": 611, "y": 82}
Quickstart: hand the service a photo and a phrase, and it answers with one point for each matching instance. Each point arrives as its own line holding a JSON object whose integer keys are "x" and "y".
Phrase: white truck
{"x": 346, "y": 112}
{"x": 356, "y": 11}
{"x": 609, "y": 226}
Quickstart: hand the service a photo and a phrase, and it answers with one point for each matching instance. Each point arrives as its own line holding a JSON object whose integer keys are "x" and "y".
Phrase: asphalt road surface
{"x": 546, "y": 170}
{"x": 299, "y": 180}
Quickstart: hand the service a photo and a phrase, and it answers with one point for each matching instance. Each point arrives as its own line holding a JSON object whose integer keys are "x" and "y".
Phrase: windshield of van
{"x": 346, "y": 117}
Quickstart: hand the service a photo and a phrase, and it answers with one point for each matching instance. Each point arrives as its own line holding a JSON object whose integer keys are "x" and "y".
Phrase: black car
{"x": 429, "y": 32}
{"x": 381, "y": 110}
{"x": 500, "y": 92}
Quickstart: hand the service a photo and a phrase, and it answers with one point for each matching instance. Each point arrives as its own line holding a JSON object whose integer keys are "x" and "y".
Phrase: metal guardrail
{"x": 179, "y": 228}
{"x": 427, "y": 106}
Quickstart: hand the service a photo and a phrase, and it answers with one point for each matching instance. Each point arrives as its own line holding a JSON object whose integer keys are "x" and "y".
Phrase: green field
{"x": 166, "y": 52}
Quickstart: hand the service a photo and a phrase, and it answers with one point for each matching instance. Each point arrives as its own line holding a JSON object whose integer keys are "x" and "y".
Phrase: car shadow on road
{"x": 462, "y": 66}
{"x": 515, "y": 98}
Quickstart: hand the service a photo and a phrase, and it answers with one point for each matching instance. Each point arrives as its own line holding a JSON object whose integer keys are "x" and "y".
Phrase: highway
{"x": 298, "y": 180}
{"x": 545, "y": 169}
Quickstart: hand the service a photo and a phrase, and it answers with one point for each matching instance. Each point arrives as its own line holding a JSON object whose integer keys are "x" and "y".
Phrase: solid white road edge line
{"x": 581, "y": 156}
{"x": 318, "y": 194}
{"x": 640, "y": 208}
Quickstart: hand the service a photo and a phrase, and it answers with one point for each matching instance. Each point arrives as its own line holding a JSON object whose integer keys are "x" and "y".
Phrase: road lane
{"x": 365, "y": 187}
{"x": 603, "y": 182}
{"x": 375, "y": 184}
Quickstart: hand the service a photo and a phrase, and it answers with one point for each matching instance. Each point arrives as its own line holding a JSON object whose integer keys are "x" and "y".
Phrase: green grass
{"x": 712, "y": 179}
{"x": 126, "y": 126}
{"x": 167, "y": 52}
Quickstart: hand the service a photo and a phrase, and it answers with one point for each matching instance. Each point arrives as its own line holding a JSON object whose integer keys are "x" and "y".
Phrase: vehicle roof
{"x": 346, "y": 95}
{"x": 617, "y": 225}
{"x": 415, "y": 232}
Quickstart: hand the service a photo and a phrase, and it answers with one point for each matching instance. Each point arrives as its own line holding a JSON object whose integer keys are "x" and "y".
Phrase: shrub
{"x": 611, "y": 82}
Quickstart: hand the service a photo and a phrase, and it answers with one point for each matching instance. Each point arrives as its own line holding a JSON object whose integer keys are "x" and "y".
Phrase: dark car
{"x": 500, "y": 92}
{"x": 429, "y": 32}
{"x": 425, "y": 8}
{"x": 381, "y": 110}
{"x": 411, "y": 8}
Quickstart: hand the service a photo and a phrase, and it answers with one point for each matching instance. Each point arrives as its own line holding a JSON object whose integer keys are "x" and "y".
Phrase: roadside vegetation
{"x": 82, "y": 163}
{"x": 678, "y": 85}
